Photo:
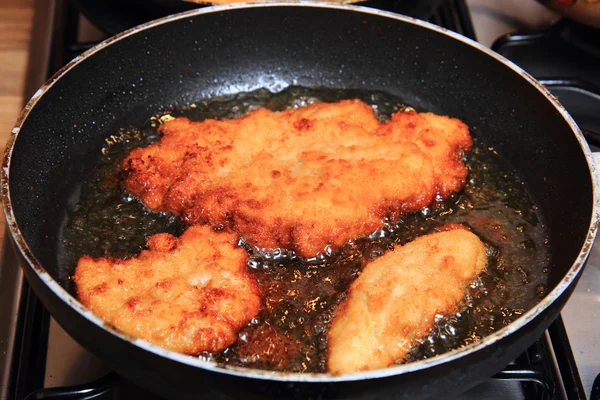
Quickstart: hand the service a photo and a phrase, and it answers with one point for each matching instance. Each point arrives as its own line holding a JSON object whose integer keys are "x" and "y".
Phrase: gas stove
{"x": 40, "y": 360}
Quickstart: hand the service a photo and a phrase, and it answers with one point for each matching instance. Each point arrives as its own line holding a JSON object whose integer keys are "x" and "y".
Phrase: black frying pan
{"x": 215, "y": 51}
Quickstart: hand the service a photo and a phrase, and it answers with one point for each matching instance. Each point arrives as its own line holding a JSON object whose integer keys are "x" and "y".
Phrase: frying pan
{"x": 218, "y": 51}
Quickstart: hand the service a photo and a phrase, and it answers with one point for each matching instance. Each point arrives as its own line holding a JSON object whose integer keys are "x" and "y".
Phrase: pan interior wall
{"x": 223, "y": 53}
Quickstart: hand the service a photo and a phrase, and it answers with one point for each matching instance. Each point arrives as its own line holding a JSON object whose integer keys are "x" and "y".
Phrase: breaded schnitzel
{"x": 395, "y": 300}
{"x": 189, "y": 294}
{"x": 301, "y": 178}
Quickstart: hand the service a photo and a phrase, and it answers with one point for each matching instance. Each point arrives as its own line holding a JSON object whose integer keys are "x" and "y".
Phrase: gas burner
{"x": 582, "y": 100}
{"x": 115, "y": 16}
{"x": 567, "y": 49}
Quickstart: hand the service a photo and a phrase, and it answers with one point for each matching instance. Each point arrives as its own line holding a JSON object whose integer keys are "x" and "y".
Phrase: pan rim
{"x": 61, "y": 293}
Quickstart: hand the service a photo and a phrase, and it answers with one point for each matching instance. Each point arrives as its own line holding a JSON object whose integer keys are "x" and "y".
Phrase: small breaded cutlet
{"x": 395, "y": 300}
{"x": 189, "y": 294}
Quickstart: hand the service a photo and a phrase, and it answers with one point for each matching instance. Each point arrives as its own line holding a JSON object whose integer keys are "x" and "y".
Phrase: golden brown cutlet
{"x": 395, "y": 300}
{"x": 300, "y": 179}
{"x": 189, "y": 294}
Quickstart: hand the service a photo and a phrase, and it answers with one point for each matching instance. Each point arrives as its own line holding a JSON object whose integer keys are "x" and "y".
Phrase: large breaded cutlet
{"x": 300, "y": 179}
{"x": 189, "y": 294}
{"x": 395, "y": 300}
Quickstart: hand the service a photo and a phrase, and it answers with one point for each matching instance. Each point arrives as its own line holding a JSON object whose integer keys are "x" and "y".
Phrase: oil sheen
{"x": 290, "y": 332}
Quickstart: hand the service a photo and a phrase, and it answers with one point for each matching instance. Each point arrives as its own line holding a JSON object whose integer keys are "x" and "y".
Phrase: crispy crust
{"x": 189, "y": 294}
{"x": 302, "y": 178}
{"x": 394, "y": 301}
